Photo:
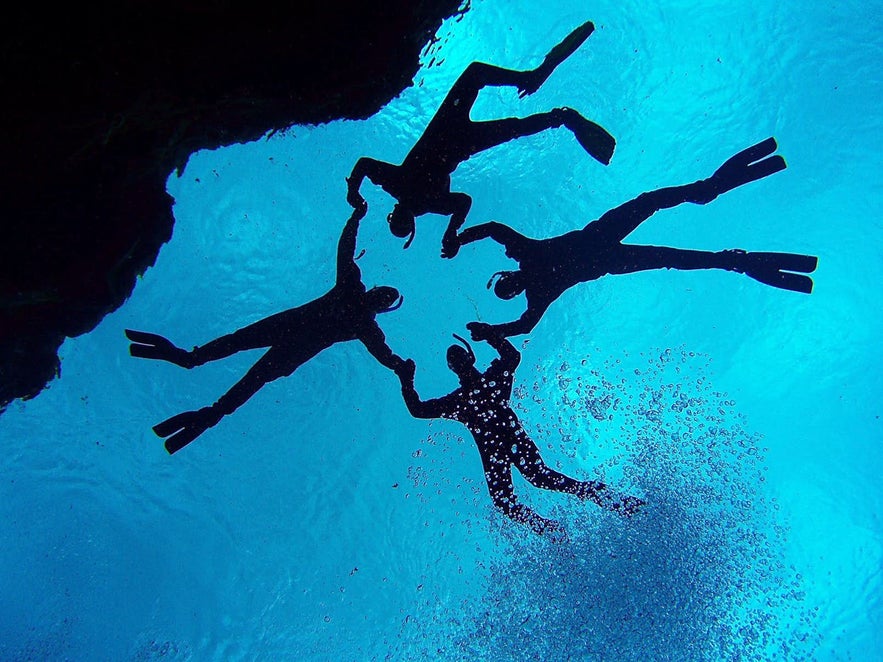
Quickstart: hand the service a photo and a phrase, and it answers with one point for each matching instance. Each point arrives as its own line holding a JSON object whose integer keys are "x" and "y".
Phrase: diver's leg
{"x": 775, "y": 269}
{"x": 180, "y": 430}
{"x": 263, "y": 333}
{"x": 480, "y": 74}
{"x": 747, "y": 166}
{"x": 618, "y": 223}
{"x": 556, "y": 56}
{"x": 454, "y": 109}
{"x": 271, "y": 366}
{"x": 630, "y": 258}
{"x": 222, "y": 347}
{"x": 445, "y": 140}
{"x": 531, "y": 465}
{"x": 498, "y": 474}
{"x": 594, "y": 139}
{"x": 153, "y": 346}
{"x": 451, "y": 121}
{"x": 450, "y": 134}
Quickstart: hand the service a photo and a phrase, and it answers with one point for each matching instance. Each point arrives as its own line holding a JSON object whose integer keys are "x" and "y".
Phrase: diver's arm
{"x": 378, "y": 172}
{"x": 375, "y": 343}
{"x": 538, "y": 302}
{"x": 502, "y": 234}
{"x": 418, "y": 408}
{"x": 477, "y": 232}
{"x": 346, "y": 249}
{"x": 524, "y": 324}
{"x": 509, "y": 356}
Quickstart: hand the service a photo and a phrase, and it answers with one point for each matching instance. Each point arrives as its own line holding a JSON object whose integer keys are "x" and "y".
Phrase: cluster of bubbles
{"x": 157, "y": 649}
{"x": 62, "y": 645}
{"x": 698, "y": 575}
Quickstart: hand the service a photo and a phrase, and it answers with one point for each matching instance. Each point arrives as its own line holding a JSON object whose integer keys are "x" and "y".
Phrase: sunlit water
{"x": 322, "y": 522}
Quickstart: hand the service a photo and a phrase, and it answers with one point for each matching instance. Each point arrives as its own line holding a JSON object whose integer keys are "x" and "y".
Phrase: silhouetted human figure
{"x": 422, "y": 183}
{"x": 482, "y": 405}
{"x": 548, "y": 267}
{"x": 345, "y": 312}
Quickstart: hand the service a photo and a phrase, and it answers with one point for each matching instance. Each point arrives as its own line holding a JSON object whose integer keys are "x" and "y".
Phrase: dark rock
{"x": 105, "y": 99}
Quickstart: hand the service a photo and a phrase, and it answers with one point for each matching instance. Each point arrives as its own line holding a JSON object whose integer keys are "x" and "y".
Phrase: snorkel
{"x": 460, "y": 359}
{"x": 383, "y": 299}
{"x": 493, "y": 278}
{"x": 467, "y": 346}
{"x": 410, "y": 239}
{"x": 506, "y": 284}
{"x": 395, "y": 306}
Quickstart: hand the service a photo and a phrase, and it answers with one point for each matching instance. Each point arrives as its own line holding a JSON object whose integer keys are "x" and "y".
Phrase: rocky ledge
{"x": 105, "y": 99}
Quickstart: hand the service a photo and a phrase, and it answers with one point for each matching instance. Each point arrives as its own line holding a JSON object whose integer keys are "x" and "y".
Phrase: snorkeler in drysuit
{"x": 345, "y": 312}
{"x": 548, "y": 267}
{"x": 422, "y": 183}
{"x": 481, "y": 403}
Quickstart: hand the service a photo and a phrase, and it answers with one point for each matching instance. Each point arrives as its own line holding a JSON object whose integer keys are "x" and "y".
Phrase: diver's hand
{"x": 360, "y": 207}
{"x": 531, "y": 83}
{"x": 360, "y": 210}
{"x": 354, "y": 198}
{"x": 406, "y": 369}
{"x": 480, "y": 330}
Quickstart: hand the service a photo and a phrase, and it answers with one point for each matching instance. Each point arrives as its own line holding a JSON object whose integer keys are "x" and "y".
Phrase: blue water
{"x": 322, "y": 522}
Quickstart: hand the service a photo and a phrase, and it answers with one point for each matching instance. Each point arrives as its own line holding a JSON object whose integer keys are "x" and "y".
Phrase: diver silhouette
{"x": 548, "y": 267}
{"x": 345, "y": 312}
{"x": 481, "y": 403}
{"x": 421, "y": 184}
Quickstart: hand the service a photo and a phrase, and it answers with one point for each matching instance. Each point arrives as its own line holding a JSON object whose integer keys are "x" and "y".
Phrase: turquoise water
{"x": 322, "y": 522}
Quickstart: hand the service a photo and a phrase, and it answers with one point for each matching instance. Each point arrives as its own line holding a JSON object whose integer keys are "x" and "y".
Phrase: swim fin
{"x": 560, "y": 52}
{"x": 568, "y": 45}
{"x": 775, "y": 269}
{"x": 181, "y": 429}
{"x": 757, "y": 151}
{"x": 593, "y": 138}
{"x": 144, "y": 337}
{"x": 153, "y": 346}
{"x": 180, "y": 439}
{"x": 749, "y": 165}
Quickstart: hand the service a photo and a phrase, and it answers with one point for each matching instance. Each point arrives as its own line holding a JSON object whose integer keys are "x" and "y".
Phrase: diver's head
{"x": 460, "y": 358}
{"x": 383, "y": 299}
{"x": 509, "y": 284}
{"x": 401, "y": 222}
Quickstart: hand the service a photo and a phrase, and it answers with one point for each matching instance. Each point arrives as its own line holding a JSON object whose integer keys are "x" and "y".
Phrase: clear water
{"x": 322, "y": 522}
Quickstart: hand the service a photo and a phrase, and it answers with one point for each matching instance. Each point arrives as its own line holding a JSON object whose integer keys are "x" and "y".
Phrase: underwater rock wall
{"x": 105, "y": 100}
